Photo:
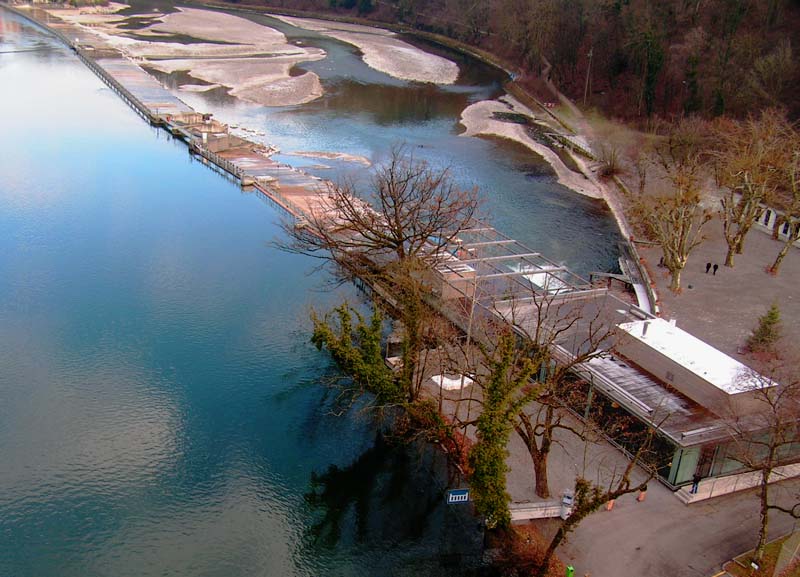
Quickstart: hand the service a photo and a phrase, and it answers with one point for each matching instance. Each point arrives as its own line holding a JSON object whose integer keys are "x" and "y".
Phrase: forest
{"x": 631, "y": 59}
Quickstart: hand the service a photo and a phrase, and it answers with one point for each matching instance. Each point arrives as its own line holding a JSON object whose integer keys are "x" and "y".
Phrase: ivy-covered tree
{"x": 356, "y": 349}
{"x": 506, "y": 386}
{"x": 410, "y": 212}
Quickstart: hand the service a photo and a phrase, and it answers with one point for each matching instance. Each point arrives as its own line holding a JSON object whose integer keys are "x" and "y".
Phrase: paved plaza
{"x": 658, "y": 537}
{"x": 722, "y": 309}
{"x": 661, "y": 536}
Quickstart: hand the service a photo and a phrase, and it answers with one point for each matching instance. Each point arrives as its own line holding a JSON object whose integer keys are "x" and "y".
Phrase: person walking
{"x": 716, "y": 266}
{"x": 708, "y": 267}
{"x": 695, "y": 483}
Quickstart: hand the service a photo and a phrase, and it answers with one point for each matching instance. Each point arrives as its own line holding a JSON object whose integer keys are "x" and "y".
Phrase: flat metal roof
{"x": 710, "y": 364}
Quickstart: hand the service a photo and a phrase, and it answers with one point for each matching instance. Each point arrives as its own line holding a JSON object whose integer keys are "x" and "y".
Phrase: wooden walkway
{"x": 293, "y": 190}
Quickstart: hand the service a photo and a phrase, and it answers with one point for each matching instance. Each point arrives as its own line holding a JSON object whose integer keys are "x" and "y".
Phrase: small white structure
{"x": 452, "y": 382}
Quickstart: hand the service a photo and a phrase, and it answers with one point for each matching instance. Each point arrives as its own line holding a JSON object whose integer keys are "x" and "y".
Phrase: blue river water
{"x": 160, "y": 406}
{"x": 365, "y": 112}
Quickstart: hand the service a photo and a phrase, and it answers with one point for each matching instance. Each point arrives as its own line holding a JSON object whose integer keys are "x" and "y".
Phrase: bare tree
{"x": 550, "y": 323}
{"x": 412, "y": 211}
{"x": 590, "y": 496}
{"x": 674, "y": 216}
{"x": 765, "y": 436}
{"x": 788, "y": 202}
{"x": 751, "y": 160}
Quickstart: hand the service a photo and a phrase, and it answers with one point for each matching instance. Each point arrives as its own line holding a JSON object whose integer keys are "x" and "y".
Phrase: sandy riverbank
{"x": 384, "y": 51}
{"x": 478, "y": 119}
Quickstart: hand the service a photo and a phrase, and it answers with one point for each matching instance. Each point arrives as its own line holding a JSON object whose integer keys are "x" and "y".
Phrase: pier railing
{"x": 112, "y": 83}
{"x": 196, "y": 147}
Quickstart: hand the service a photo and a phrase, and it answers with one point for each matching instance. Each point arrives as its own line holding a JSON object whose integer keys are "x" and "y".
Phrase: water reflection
{"x": 387, "y": 105}
{"x": 395, "y": 492}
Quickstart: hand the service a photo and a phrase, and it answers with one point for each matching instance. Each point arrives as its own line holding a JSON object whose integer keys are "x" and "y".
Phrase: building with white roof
{"x": 696, "y": 369}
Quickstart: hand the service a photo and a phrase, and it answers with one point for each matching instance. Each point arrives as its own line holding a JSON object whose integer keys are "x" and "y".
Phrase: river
{"x": 160, "y": 406}
{"x": 365, "y": 112}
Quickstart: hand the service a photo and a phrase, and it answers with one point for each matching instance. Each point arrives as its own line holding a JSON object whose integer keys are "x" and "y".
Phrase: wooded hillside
{"x": 642, "y": 58}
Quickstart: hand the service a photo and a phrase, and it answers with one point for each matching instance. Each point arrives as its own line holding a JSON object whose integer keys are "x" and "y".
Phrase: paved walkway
{"x": 659, "y": 537}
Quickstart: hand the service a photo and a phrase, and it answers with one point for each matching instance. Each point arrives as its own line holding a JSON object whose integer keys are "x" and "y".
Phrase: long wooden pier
{"x": 293, "y": 191}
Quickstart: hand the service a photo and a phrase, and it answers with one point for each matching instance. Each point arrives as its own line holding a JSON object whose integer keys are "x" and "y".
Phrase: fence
{"x": 112, "y": 83}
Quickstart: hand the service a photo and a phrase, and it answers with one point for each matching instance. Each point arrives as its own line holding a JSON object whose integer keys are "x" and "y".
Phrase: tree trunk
{"x": 563, "y": 531}
{"x": 781, "y": 255}
{"x": 540, "y": 470}
{"x": 776, "y": 228}
{"x": 762, "y": 532}
{"x": 675, "y": 283}
{"x": 740, "y": 241}
{"x": 729, "y": 256}
{"x": 412, "y": 346}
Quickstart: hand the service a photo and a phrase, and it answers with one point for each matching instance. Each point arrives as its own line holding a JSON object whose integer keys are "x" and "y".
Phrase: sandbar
{"x": 252, "y": 61}
{"x": 478, "y": 120}
{"x": 219, "y": 27}
{"x": 384, "y": 51}
{"x": 332, "y": 156}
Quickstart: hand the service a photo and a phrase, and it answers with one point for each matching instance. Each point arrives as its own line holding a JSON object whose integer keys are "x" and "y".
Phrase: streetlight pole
{"x": 588, "y": 72}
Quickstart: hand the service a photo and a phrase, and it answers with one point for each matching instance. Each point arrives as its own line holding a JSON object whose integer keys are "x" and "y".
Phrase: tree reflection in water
{"x": 395, "y": 493}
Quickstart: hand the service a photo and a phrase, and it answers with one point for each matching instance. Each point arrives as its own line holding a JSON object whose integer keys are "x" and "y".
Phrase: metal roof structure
{"x": 498, "y": 281}
{"x": 504, "y": 267}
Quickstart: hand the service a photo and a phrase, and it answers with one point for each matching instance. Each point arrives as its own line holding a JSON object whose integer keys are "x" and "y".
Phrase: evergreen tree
{"x": 768, "y": 331}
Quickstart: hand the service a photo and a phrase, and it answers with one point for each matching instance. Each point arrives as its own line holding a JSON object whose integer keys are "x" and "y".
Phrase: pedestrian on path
{"x": 695, "y": 483}
{"x": 708, "y": 267}
{"x": 716, "y": 266}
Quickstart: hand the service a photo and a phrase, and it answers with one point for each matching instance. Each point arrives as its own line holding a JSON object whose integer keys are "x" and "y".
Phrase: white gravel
{"x": 477, "y": 119}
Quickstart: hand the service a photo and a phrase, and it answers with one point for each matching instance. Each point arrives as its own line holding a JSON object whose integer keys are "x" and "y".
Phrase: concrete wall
{"x": 523, "y": 512}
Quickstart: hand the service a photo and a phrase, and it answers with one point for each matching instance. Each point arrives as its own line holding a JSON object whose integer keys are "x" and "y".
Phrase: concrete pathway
{"x": 659, "y": 537}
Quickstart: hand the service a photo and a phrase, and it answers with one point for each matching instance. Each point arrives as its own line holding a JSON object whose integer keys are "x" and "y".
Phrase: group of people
{"x": 709, "y": 267}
